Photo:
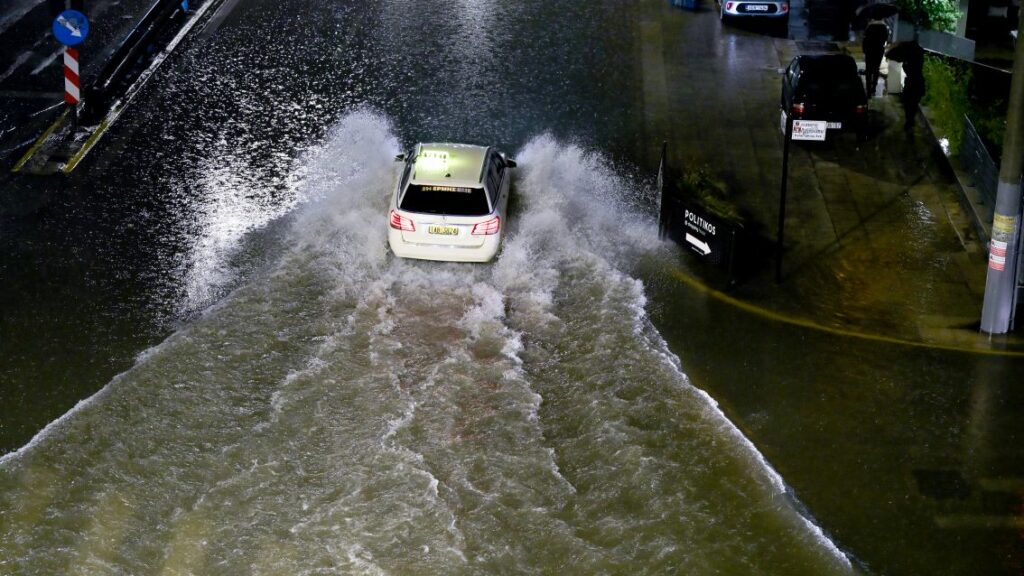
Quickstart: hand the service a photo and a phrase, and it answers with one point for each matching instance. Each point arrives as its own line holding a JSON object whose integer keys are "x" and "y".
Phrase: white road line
{"x": 47, "y": 62}
{"x": 15, "y": 65}
{"x": 12, "y": 14}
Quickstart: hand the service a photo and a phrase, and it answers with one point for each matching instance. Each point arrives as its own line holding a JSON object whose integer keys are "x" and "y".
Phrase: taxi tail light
{"x": 798, "y": 109}
{"x": 860, "y": 109}
{"x": 399, "y": 222}
{"x": 728, "y": 5}
{"x": 784, "y": 8}
{"x": 488, "y": 228}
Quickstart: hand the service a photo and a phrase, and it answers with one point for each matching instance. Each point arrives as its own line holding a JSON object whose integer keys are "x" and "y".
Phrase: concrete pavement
{"x": 877, "y": 241}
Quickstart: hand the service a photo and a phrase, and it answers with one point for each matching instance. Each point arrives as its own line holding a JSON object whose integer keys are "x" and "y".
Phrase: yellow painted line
{"x": 73, "y": 162}
{"x": 39, "y": 142}
{"x": 809, "y": 325}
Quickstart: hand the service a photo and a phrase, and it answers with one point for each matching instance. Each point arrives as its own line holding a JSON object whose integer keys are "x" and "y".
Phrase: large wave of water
{"x": 350, "y": 412}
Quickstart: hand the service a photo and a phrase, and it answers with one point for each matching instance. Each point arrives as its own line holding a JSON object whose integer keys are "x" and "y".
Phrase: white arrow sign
{"x": 701, "y": 247}
{"x": 75, "y": 31}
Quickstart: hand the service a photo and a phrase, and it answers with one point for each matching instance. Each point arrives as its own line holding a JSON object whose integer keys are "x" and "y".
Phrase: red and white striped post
{"x": 72, "y": 82}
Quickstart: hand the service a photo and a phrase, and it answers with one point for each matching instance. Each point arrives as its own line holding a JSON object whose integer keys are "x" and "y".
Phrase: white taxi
{"x": 450, "y": 203}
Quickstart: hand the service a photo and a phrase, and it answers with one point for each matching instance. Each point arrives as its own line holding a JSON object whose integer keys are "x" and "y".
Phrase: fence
{"x": 976, "y": 161}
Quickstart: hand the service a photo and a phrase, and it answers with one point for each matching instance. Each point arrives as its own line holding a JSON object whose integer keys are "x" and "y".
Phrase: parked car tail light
{"x": 784, "y": 7}
{"x": 399, "y": 222}
{"x": 797, "y": 109}
{"x": 861, "y": 109}
{"x": 728, "y": 5}
{"x": 487, "y": 228}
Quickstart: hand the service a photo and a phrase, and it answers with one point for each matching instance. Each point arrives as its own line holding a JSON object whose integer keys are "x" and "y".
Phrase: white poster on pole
{"x": 809, "y": 130}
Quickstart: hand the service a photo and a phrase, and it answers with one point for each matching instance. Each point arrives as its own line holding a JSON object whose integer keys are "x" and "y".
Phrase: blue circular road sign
{"x": 71, "y": 27}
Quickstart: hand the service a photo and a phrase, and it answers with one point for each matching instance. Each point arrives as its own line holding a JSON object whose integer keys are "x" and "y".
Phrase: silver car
{"x": 778, "y": 11}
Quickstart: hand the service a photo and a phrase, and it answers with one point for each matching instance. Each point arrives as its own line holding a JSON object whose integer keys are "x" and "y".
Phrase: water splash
{"x": 351, "y": 411}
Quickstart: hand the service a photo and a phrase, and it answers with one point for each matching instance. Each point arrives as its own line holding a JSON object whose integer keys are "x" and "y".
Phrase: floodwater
{"x": 349, "y": 411}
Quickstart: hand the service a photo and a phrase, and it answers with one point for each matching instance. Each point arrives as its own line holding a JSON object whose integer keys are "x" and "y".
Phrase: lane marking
{"x": 40, "y": 141}
{"x": 47, "y": 61}
{"x": 73, "y": 162}
{"x": 120, "y": 105}
{"x": 841, "y": 332}
{"x": 217, "y": 19}
{"x": 21, "y": 59}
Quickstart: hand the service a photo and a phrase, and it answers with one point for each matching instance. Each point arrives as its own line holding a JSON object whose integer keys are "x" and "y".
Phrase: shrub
{"x": 710, "y": 192}
{"x": 946, "y": 97}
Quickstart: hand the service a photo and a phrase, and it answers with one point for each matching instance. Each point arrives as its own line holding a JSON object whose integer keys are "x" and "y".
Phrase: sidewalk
{"x": 877, "y": 241}
{"x": 960, "y": 203}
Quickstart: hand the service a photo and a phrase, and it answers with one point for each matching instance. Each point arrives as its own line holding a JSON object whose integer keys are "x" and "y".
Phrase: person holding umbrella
{"x": 876, "y": 36}
{"x": 912, "y": 56}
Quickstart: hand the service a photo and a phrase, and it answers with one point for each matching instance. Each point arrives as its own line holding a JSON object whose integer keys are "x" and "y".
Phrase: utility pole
{"x": 1001, "y": 283}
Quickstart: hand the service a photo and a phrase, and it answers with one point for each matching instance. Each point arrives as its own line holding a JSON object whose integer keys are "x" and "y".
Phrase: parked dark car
{"x": 825, "y": 87}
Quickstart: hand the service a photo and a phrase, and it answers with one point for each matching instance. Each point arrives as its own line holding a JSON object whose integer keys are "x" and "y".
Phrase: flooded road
{"x": 348, "y": 411}
{"x": 306, "y": 404}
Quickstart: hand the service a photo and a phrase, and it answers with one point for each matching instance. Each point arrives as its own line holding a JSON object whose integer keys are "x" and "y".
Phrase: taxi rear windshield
{"x": 448, "y": 200}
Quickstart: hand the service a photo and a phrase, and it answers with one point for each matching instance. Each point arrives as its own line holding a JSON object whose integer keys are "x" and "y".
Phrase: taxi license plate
{"x": 834, "y": 126}
{"x": 443, "y": 230}
{"x": 757, "y": 7}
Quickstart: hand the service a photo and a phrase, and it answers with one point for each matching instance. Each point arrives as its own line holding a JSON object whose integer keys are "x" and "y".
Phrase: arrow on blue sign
{"x": 71, "y": 27}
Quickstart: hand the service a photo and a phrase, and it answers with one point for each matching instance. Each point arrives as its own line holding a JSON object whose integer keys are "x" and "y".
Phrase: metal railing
{"x": 976, "y": 160}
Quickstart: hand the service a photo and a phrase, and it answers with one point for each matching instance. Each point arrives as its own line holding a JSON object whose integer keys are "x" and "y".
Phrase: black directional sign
{"x": 711, "y": 238}
{"x": 693, "y": 227}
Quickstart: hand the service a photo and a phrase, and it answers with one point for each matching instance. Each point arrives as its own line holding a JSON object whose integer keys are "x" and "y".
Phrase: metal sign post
{"x": 811, "y": 130}
{"x": 70, "y": 28}
{"x": 781, "y": 229}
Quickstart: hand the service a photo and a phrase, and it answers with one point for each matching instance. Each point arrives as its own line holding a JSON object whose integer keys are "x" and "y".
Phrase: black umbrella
{"x": 877, "y": 11}
{"x": 909, "y": 51}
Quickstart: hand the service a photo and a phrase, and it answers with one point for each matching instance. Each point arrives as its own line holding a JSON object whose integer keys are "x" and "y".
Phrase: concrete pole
{"x": 1001, "y": 283}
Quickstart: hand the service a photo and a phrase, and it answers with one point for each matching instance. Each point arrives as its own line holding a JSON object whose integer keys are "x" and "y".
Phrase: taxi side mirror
{"x": 400, "y": 158}
{"x": 509, "y": 163}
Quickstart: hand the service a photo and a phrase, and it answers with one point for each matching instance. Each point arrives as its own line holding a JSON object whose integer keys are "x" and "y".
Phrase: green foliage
{"x": 710, "y": 192}
{"x": 946, "y": 98}
{"x": 931, "y": 14}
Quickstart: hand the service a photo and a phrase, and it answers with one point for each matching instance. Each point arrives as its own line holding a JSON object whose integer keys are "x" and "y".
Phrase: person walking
{"x": 876, "y": 36}
{"x": 913, "y": 83}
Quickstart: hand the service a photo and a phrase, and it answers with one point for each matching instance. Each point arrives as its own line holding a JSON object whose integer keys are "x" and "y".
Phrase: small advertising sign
{"x": 810, "y": 130}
